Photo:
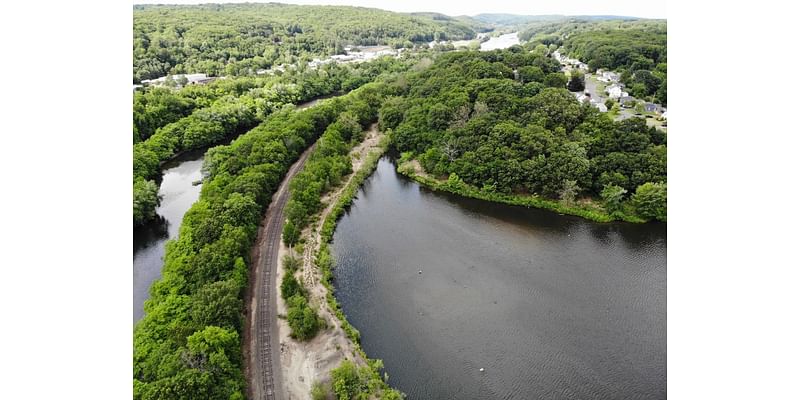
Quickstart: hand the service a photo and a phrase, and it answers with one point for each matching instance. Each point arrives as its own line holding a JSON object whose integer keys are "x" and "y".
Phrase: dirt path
{"x": 262, "y": 366}
{"x": 304, "y": 363}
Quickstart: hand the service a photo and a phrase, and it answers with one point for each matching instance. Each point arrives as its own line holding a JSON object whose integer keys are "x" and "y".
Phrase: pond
{"x": 469, "y": 299}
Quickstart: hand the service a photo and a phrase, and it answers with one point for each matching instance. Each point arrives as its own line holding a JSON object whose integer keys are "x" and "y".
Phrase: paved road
{"x": 261, "y": 334}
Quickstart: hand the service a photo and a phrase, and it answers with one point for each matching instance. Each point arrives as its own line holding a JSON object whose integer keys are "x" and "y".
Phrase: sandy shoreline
{"x": 304, "y": 363}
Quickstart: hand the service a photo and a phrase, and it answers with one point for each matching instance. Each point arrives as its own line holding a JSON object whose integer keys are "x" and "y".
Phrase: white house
{"x": 602, "y": 107}
{"x": 583, "y": 97}
{"x": 614, "y": 91}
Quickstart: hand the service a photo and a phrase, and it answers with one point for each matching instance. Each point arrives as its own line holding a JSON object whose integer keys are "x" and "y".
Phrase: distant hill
{"x": 233, "y": 39}
{"x": 515, "y": 19}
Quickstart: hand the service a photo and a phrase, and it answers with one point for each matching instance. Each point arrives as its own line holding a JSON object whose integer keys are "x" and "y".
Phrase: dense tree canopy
{"x": 466, "y": 118}
{"x": 224, "y": 109}
{"x": 188, "y": 346}
{"x": 238, "y": 39}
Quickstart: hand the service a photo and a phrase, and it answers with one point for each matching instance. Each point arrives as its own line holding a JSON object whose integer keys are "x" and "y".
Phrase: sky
{"x": 632, "y": 8}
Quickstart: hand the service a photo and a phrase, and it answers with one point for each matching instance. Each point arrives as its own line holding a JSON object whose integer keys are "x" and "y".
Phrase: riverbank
{"x": 584, "y": 208}
{"x": 306, "y": 364}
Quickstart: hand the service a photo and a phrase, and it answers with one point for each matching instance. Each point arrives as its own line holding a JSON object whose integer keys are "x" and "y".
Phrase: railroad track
{"x": 264, "y": 353}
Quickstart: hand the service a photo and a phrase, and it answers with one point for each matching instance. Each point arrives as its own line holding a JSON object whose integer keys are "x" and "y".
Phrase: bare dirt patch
{"x": 304, "y": 363}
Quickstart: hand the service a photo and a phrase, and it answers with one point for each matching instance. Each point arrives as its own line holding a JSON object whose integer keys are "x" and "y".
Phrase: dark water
{"x": 551, "y": 306}
{"x": 178, "y": 194}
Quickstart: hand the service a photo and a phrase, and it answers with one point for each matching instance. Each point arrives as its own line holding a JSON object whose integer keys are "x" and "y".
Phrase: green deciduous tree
{"x": 576, "y": 81}
{"x": 145, "y": 200}
{"x": 613, "y": 196}
{"x": 555, "y": 80}
{"x": 650, "y": 200}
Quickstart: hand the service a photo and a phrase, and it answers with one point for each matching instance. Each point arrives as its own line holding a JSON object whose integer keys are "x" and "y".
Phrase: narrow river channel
{"x": 466, "y": 299}
{"x": 178, "y": 193}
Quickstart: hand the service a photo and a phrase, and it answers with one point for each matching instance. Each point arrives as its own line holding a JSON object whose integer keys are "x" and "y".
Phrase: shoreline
{"x": 584, "y": 209}
{"x": 305, "y": 364}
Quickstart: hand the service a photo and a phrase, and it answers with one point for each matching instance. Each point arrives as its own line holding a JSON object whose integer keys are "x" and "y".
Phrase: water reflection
{"x": 550, "y": 306}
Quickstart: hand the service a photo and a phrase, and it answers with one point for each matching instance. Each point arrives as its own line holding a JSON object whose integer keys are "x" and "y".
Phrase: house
{"x": 582, "y": 66}
{"x": 602, "y": 107}
{"x": 651, "y": 107}
{"x": 627, "y": 101}
{"x": 583, "y": 97}
{"x": 614, "y": 91}
{"x": 611, "y": 76}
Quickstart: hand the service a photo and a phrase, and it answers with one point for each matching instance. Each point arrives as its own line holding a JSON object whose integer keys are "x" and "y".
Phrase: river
{"x": 550, "y": 306}
{"x": 178, "y": 193}
{"x": 500, "y": 42}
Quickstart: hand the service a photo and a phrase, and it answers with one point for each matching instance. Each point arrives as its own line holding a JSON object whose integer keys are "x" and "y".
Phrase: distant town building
{"x": 614, "y": 91}
{"x": 627, "y": 101}
{"x": 607, "y": 76}
{"x": 583, "y": 97}
{"x": 651, "y": 107}
{"x": 602, "y": 107}
{"x": 191, "y": 79}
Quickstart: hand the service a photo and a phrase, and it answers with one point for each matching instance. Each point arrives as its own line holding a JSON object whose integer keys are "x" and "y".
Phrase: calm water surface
{"x": 551, "y": 306}
{"x": 178, "y": 194}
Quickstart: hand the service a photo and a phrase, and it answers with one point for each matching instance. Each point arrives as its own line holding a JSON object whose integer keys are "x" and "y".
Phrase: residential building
{"x": 627, "y": 101}
{"x": 651, "y": 107}
{"x": 614, "y": 91}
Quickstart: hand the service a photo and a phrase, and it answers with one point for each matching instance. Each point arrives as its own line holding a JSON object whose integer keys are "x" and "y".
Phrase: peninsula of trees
{"x": 501, "y": 125}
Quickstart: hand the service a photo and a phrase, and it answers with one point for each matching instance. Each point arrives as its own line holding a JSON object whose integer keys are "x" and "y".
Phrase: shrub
{"x": 650, "y": 201}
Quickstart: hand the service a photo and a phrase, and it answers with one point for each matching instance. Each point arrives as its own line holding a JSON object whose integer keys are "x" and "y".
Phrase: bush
{"x": 290, "y": 286}
{"x": 303, "y": 320}
{"x": 650, "y": 201}
{"x": 318, "y": 391}
{"x": 612, "y": 197}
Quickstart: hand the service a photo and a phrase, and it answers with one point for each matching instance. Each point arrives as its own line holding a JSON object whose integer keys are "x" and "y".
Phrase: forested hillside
{"x": 499, "y": 122}
{"x": 232, "y": 39}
